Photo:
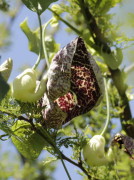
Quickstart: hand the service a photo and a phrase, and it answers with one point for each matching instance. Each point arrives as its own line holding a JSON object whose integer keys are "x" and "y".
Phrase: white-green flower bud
{"x": 93, "y": 151}
{"x": 25, "y": 87}
{"x": 6, "y": 68}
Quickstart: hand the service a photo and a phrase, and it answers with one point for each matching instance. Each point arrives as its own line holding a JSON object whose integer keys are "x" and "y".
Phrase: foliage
{"x": 23, "y": 121}
{"x": 31, "y": 170}
{"x": 28, "y": 142}
{"x": 9, "y": 11}
{"x": 4, "y": 5}
{"x": 38, "y": 6}
{"x": 34, "y": 40}
{"x": 4, "y": 34}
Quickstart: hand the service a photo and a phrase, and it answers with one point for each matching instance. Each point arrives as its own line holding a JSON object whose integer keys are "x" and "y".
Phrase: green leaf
{"x": 4, "y": 87}
{"x": 114, "y": 59}
{"x": 51, "y": 47}
{"x": 34, "y": 41}
{"x": 104, "y": 6}
{"x": 57, "y": 8}
{"x": 32, "y": 37}
{"x": 103, "y": 67}
{"x": 38, "y": 6}
{"x": 28, "y": 142}
{"x": 49, "y": 160}
{"x": 87, "y": 130}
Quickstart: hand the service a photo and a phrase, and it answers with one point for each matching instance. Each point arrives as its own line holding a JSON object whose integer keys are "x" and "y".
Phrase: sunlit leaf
{"x": 49, "y": 160}
{"x": 32, "y": 37}
{"x": 51, "y": 46}
{"x": 57, "y": 8}
{"x": 38, "y": 6}
{"x": 87, "y": 130}
{"x": 103, "y": 67}
{"x": 34, "y": 41}
{"x": 114, "y": 59}
{"x": 28, "y": 142}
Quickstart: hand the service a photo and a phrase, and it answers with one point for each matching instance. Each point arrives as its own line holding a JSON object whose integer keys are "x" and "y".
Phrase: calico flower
{"x": 94, "y": 152}
{"x": 74, "y": 86}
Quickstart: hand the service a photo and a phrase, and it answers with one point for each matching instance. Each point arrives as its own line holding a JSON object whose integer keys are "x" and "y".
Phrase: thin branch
{"x": 40, "y": 46}
{"x": 79, "y": 165}
{"x": 61, "y": 155}
{"x": 92, "y": 26}
{"x": 65, "y": 22}
{"x": 108, "y": 108}
{"x": 50, "y": 141}
{"x": 88, "y": 41}
{"x": 78, "y": 137}
{"x": 44, "y": 43}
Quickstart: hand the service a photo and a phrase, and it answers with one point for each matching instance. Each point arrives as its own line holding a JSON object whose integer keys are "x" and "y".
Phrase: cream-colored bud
{"x": 6, "y": 68}
{"x": 25, "y": 87}
{"x": 93, "y": 151}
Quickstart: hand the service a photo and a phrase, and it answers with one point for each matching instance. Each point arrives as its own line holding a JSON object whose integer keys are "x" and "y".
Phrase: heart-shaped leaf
{"x": 34, "y": 41}
{"x": 32, "y": 37}
{"x": 38, "y": 6}
{"x": 114, "y": 59}
{"x": 28, "y": 142}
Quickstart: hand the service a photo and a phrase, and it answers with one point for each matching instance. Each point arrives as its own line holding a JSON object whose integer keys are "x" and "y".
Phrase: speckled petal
{"x": 75, "y": 84}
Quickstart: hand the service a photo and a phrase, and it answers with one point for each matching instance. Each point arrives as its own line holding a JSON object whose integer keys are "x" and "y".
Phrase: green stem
{"x": 72, "y": 27}
{"x": 58, "y": 151}
{"x": 65, "y": 22}
{"x": 129, "y": 69}
{"x": 44, "y": 43}
{"x": 40, "y": 47}
{"x": 108, "y": 109}
{"x": 48, "y": 138}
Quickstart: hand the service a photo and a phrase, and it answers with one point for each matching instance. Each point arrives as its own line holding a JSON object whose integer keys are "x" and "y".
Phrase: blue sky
{"x": 21, "y": 56}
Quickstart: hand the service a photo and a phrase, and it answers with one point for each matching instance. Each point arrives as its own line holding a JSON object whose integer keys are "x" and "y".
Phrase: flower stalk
{"x": 108, "y": 109}
{"x": 40, "y": 46}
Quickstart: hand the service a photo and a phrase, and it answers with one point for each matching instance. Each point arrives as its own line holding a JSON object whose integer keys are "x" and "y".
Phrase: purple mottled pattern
{"x": 72, "y": 87}
{"x": 59, "y": 73}
{"x": 128, "y": 143}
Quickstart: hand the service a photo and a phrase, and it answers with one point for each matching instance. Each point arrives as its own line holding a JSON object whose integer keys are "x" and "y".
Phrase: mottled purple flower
{"x": 126, "y": 142}
{"x": 75, "y": 85}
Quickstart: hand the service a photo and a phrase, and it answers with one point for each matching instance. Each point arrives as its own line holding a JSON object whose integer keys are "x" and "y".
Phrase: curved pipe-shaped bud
{"x": 6, "y": 68}
{"x": 25, "y": 88}
{"x": 75, "y": 85}
{"x": 94, "y": 153}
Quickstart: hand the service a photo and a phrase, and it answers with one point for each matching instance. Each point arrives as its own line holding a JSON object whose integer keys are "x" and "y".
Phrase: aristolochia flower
{"x": 26, "y": 88}
{"x": 94, "y": 153}
{"x": 74, "y": 85}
